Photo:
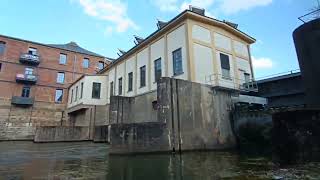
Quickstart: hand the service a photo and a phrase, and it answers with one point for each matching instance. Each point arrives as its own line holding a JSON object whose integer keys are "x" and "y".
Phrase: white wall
{"x": 201, "y": 34}
{"x": 130, "y": 67}
{"x": 177, "y": 39}
{"x": 203, "y": 63}
{"x": 241, "y": 49}
{"x": 243, "y": 67}
{"x": 222, "y": 41}
{"x": 143, "y": 60}
{"x": 157, "y": 51}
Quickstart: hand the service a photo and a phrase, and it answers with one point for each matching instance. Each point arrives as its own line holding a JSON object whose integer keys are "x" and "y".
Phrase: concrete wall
{"x": 190, "y": 116}
{"x": 61, "y": 134}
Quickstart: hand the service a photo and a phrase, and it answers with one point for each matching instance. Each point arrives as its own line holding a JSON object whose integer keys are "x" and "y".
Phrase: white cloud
{"x": 234, "y": 6}
{"x": 113, "y": 11}
{"x": 166, "y": 5}
{"x": 262, "y": 63}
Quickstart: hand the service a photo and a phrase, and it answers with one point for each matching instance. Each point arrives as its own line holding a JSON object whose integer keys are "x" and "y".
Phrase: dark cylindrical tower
{"x": 307, "y": 42}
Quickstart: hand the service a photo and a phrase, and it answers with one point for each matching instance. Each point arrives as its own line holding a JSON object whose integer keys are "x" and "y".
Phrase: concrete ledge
{"x": 101, "y": 134}
{"x": 61, "y": 134}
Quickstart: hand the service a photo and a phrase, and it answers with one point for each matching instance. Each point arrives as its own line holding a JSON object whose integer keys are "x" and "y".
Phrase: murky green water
{"x": 25, "y": 160}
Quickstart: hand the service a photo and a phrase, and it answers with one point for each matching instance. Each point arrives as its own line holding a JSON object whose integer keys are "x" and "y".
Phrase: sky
{"x": 103, "y": 26}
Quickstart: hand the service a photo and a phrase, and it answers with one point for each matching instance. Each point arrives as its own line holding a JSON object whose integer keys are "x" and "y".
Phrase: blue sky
{"x": 103, "y": 26}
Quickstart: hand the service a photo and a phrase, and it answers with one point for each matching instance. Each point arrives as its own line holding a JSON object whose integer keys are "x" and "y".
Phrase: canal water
{"x": 85, "y": 160}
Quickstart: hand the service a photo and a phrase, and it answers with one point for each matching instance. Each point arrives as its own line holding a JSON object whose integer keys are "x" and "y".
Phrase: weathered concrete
{"x": 139, "y": 138}
{"x": 191, "y": 116}
{"x": 61, "y": 134}
{"x": 296, "y": 136}
{"x": 101, "y": 134}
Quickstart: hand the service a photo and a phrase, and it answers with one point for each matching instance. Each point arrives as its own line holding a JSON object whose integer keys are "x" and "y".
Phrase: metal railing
{"x": 30, "y": 58}
{"x": 26, "y": 77}
{"x": 218, "y": 80}
{"x": 310, "y": 16}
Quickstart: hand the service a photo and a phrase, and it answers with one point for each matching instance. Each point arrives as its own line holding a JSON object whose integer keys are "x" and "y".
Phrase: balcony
{"x": 22, "y": 101}
{"x": 30, "y": 59}
{"x": 251, "y": 86}
{"x": 26, "y": 78}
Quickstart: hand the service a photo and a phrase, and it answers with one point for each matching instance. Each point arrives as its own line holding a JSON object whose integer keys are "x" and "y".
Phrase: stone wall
{"x": 19, "y": 123}
{"x": 61, "y": 134}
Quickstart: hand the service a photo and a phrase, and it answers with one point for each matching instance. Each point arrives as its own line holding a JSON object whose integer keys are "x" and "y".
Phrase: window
{"x": 60, "y": 77}
{"x": 33, "y": 51}
{"x": 81, "y": 90}
{"x": 96, "y": 90}
{"x": 177, "y": 62}
{"x": 0, "y": 67}
{"x": 120, "y": 86}
{"x": 157, "y": 69}
{"x": 71, "y": 98}
{"x": 130, "y": 81}
{"x": 28, "y": 71}
{"x": 143, "y": 76}
{"x": 111, "y": 89}
{"x": 246, "y": 77}
{"x": 63, "y": 59}
{"x": 25, "y": 92}
{"x": 59, "y": 95}
{"x": 2, "y": 47}
{"x": 85, "y": 63}
{"x": 100, "y": 65}
{"x": 76, "y": 98}
{"x": 225, "y": 66}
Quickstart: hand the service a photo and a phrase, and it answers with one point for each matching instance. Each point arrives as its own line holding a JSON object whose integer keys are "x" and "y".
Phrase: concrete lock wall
{"x": 191, "y": 116}
{"x": 61, "y": 134}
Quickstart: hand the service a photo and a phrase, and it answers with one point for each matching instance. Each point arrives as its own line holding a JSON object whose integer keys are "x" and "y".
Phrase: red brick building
{"x": 34, "y": 78}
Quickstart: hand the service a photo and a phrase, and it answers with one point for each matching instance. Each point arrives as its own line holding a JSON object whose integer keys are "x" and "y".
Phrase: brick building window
{"x": 76, "y": 98}
{"x": 225, "y": 66}
{"x": 0, "y": 67}
{"x": 81, "y": 90}
{"x": 100, "y": 65}
{"x": 85, "y": 63}
{"x": 157, "y": 69}
{"x": 25, "y": 92}
{"x": 120, "y": 86}
{"x": 60, "y": 77}
{"x": 177, "y": 62}
{"x": 143, "y": 76}
{"x": 63, "y": 59}
{"x": 111, "y": 89}
{"x": 2, "y": 47}
{"x": 28, "y": 71}
{"x": 96, "y": 87}
{"x": 71, "y": 97}
{"x": 59, "y": 95}
{"x": 130, "y": 81}
{"x": 33, "y": 51}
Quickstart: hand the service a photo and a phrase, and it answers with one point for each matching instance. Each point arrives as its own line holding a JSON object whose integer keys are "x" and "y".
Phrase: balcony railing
{"x": 26, "y": 78}
{"x": 218, "y": 80}
{"x": 22, "y": 101}
{"x": 29, "y": 59}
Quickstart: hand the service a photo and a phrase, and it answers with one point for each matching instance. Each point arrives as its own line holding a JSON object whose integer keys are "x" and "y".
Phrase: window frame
{"x": 120, "y": 86}
{"x": 0, "y": 67}
{"x": 111, "y": 88}
{"x": 55, "y": 98}
{"x": 225, "y": 69}
{"x": 2, "y": 44}
{"x": 66, "y": 59}
{"x": 28, "y": 71}
{"x": 83, "y": 63}
{"x": 157, "y": 72}
{"x": 71, "y": 98}
{"x": 143, "y": 78}
{"x": 130, "y": 81}
{"x": 33, "y": 51}
{"x": 28, "y": 91}
{"x": 176, "y": 61}
{"x": 76, "y": 97}
{"x": 81, "y": 90}
{"x": 64, "y": 76}
{"x": 96, "y": 96}
{"x": 103, "y": 65}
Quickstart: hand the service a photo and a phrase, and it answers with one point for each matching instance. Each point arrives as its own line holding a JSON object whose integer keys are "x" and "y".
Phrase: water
{"x": 26, "y": 160}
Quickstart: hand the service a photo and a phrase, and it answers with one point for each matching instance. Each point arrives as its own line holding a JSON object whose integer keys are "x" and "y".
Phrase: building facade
{"x": 34, "y": 78}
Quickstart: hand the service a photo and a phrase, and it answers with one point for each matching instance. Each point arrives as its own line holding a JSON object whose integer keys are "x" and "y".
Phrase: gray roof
{"x": 74, "y": 47}
{"x": 280, "y": 77}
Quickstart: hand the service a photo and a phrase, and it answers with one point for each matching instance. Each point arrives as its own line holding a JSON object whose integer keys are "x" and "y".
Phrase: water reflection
{"x": 25, "y": 160}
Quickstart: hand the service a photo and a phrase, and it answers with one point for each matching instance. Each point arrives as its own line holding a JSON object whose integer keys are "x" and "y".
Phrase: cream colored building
{"x": 191, "y": 47}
